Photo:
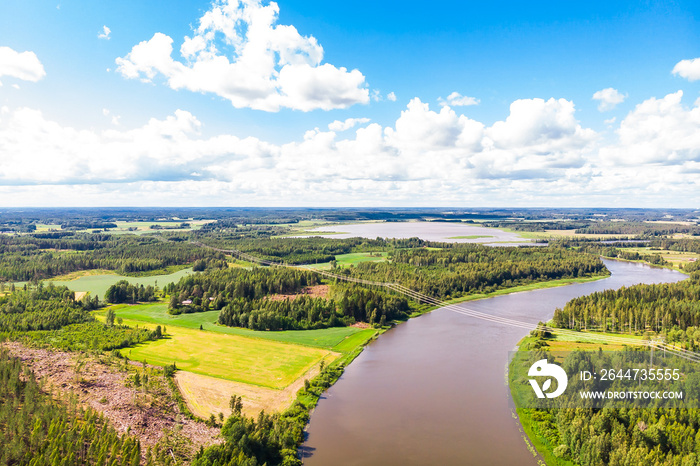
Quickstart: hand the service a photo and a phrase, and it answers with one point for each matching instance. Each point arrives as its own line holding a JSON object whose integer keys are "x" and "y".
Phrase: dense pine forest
{"x": 464, "y": 269}
{"x": 41, "y": 256}
{"x": 672, "y": 309}
{"x": 629, "y": 435}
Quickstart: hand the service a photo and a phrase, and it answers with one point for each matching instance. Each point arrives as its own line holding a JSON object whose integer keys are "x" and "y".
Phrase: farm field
{"x": 676, "y": 258}
{"x": 97, "y": 284}
{"x": 252, "y": 361}
{"x": 346, "y": 260}
{"x": 337, "y": 338}
{"x": 265, "y": 368}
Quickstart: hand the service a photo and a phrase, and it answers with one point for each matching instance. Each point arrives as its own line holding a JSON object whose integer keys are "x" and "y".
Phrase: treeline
{"x": 36, "y": 430}
{"x": 351, "y": 304}
{"x": 296, "y": 251}
{"x": 617, "y": 251}
{"x": 214, "y": 289}
{"x": 125, "y": 292}
{"x": 44, "y": 308}
{"x": 465, "y": 269}
{"x": 25, "y": 258}
{"x": 642, "y": 229}
{"x": 666, "y": 308}
{"x": 538, "y": 225}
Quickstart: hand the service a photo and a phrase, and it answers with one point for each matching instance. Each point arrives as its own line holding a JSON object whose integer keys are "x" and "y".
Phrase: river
{"x": 432, "y": 390}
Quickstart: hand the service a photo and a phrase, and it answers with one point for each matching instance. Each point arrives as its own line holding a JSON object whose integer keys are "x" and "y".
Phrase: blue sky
{"x": 447, "y": 104}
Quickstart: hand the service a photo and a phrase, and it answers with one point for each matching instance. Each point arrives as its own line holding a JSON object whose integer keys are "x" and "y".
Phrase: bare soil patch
{"x": 148, "y": 414}
{"x": 316, "y": 291}
{"x": 362, "y": 325}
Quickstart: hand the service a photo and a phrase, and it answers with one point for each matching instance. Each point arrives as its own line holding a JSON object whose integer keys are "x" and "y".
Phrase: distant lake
{"x": 429, "y": 231}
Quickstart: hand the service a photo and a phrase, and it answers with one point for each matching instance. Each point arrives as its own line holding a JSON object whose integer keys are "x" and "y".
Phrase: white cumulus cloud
{"x": 105, "y": 33}
{"x": 608, "y": 98}
{"x": 688, "y": 69}
{"x": 458, "y": 100}
{"x": 539, "y": 153}
{"x": 239, "y": 53}
{"x": 659, "y": 131}
{"x": 20, "y": 65}
{"x": 339, "y": 126}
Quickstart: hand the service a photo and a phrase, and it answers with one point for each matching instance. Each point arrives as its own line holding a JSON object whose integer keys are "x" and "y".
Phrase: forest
{"x": 41, "y": 256}
{"x": 466, "y": 268}
{"x": 50, "y": 316}
{"x": 37, "y": 430}
{"x": 672, "y": 309}
{"x": 33, "y": 424}
{"x": 630, "y": 435}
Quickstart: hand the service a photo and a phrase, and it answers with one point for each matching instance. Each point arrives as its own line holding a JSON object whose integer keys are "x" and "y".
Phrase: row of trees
{"x": 352, "y": 304}
{"x": 269, "y": 439}
{"x": 645, "y": 229}
{"x": 125, "y": 292}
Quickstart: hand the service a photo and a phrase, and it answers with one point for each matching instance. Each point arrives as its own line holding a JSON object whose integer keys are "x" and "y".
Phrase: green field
{"x": 98, "y": 284}
{"x": 346, "y": 260}
{"x": 248, "y": 360}
{"x": 341, "y": 339}
{"x": 265, "y": 359}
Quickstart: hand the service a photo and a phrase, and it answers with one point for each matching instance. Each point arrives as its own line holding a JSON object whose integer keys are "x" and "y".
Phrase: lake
{"x": 432, "y": 390}
{"x": 429, "y": 231}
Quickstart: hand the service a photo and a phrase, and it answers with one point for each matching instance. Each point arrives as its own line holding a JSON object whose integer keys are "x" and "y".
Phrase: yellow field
{"x": 207, "y": 395}
{"x": 241, "y": 359}
{"x": 676, "y": 258}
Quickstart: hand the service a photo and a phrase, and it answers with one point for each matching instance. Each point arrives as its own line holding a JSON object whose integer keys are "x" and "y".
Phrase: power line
{"x": 461, "y": 309}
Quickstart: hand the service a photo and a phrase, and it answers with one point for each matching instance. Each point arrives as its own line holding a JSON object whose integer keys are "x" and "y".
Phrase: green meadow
{"x": 253, "y": 361}
{"x": 98, "y": 284}
{"x": 346, "y": 260}
{"x": 341, "y": 339}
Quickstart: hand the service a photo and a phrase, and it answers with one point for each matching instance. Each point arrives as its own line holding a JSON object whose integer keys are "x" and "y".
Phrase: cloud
{"x": 458, "y": 100}
{"x": 609, "y": 98}
{"x": 339, "y": 126}
{"x": 105, "y": 33}
{"x": 658, "y": 131}
{"x": 688, "y": 69}
{"x": 391, "y": 97}
{"x": 25, "y": 65}
{"x": 539, "y": 154}
{"x": 238, "y": 52}
{"x": 114, "y": 118}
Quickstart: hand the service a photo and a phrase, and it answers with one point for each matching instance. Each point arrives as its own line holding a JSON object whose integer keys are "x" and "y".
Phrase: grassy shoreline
{"x": 512, "y": 290}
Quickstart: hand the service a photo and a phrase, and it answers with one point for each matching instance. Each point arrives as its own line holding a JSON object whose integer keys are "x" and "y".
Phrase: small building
{"x": 187, "y": 302}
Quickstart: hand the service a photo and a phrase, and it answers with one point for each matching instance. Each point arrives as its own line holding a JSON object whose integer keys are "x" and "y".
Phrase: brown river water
{"x": 432, "y": 391}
